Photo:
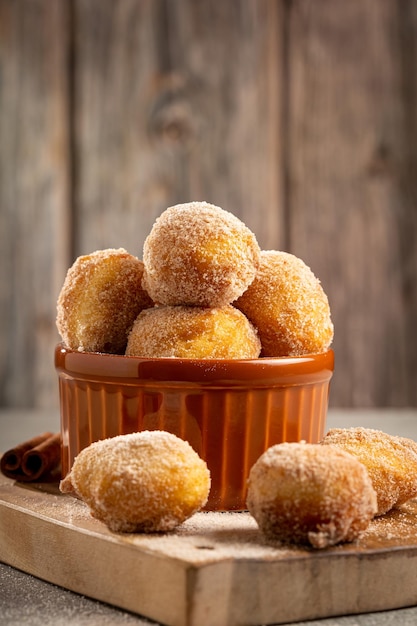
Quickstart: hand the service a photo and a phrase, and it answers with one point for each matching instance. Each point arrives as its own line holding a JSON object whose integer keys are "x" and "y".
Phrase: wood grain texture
{"x": 174, "y": 102}
{"x": 34, "y": 195}
{"x": 352, "y": 185}
{"x": 298, "y": 116}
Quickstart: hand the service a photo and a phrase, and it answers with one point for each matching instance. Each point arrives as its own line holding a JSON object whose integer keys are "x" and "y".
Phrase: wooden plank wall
{"x": 300, "y": 116}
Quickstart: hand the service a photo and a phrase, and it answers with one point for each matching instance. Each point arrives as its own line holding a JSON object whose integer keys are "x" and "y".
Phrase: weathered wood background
{"x": 299, "y": 116}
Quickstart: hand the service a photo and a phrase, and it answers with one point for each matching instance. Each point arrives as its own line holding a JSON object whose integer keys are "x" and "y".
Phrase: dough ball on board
{"x": 391, "y": 462}
{"x": 150, "y": 481}
{"x": 299, "y": 495}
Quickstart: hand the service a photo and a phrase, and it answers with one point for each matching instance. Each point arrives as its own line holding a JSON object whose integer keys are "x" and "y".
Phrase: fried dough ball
{"x": 299, "y": 495}
{"x": 288, "y": 306}
{"x": 198, "y": 254}
{"x": 149, "y": 481}
{"x": 193, "y": 333}
{"x": 391, "y": 462}
{"x": 99, "y": 301}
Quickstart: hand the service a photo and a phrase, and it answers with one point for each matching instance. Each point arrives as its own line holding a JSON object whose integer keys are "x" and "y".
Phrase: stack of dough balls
{"x": 150, "y": 481}
{"x": 198, "y": 259}
{"x": 204, "y": 290}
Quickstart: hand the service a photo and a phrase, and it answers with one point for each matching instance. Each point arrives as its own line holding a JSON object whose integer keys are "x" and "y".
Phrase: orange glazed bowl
{"x": 230, "y": 411}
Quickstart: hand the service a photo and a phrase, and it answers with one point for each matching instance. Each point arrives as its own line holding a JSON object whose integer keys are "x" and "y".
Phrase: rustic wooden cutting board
{"x": 215, "y": 570}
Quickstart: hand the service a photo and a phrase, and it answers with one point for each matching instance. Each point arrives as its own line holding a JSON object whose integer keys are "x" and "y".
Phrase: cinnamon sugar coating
{"x": 99, "y": 301}
{"x": 150, "y": 481}
{"x": 198, "y": 254}
{"x": 288, "y": 306}
{"x": 310, "y": 494}
{"x": 391, "y": 462}
{"x": 193, "y": 333}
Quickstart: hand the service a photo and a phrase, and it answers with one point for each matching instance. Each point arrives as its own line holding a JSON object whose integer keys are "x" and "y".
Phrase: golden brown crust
{"x": 310, "y": 494}
{"x": 193, "y": 332}
{"x": 144, "y": 482}
{"x": 287, "y": 305}
{"x": 198, "y": 254}
{"x": 391, "y": 462}
{"x": 99, "y": 301}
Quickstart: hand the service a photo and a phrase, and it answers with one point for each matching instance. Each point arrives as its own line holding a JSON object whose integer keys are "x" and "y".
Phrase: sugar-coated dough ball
{"x": 198, "y": 254}
{"x": 287, "y": 305}
{"x": 100, "y": 299}
{"x": 193, "y": 333}
{"x": 149, "y": 481}
{"x": 299, "y": 495}
{"x": 391, "y": 462}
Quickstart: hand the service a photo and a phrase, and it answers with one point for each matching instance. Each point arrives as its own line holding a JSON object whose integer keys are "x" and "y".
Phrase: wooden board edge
{"x": 75, "y": 560}
{"x": 276, "y": 592}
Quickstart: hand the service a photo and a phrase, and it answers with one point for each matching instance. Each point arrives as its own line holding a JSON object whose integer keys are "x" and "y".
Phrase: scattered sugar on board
{"x": 396, "y": 527}
{"x": 213, "y": 536}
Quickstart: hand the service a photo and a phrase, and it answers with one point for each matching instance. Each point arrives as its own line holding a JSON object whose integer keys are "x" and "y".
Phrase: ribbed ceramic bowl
{"x": 230, "y": 411}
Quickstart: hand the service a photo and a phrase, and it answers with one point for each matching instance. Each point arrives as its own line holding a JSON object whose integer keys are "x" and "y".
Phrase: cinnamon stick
{"x": 39, "y": 457}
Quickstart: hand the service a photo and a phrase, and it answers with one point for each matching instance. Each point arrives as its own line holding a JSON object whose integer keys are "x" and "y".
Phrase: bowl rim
{"x": 264, "y": 371}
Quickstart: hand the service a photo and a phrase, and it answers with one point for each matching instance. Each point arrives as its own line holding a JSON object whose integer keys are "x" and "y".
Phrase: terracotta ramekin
{"x": 230, "y": 411}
